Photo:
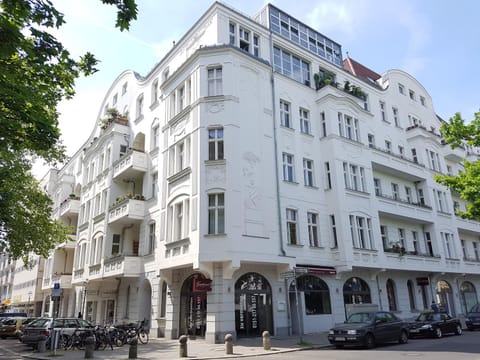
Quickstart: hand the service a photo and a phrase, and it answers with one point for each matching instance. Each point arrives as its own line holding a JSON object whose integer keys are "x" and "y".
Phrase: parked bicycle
{"x": 136, "y": 331}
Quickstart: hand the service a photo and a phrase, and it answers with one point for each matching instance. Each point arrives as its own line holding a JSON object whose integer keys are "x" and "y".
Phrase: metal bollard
{"x": 229, "y": 344}
{"x": 89, "y": 347}
{"x": 266, "y": 340}
{"x": 132, "y": 351}
{"x": 42, "y": 344}
{"x": 183, "y": 346}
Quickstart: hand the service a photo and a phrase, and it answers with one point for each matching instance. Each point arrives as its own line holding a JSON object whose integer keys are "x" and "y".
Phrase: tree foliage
{"x": 458, "y": 133}
{"x": 36, "y": 73}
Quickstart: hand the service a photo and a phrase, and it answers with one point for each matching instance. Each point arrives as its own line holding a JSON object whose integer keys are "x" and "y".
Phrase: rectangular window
{"x": 155, "y": 137}
{"x": 216, "y": 214}
{"x": 464, "y": 249}
{"x": 378, "y": 187}
{"x": 421, "y": 197}
{"x": 288, "y": 169}
{"x": 475, "y": 251}
{"x": 348, "y": 127}
{"x": 334, "y": 231}
{"x": 401, "y": 150}
{"x": 383, "y": 112}
{"x": 232, "y": 30}
{"x": 360, "y": 228}
{"x": 285, "y": 114}
{"x": 305, "y": 121}
{"x": 178, "y": 221}
{"x": 401, "y": 237}
{"x": 308, "y": 172}
{"x": 292, "y": 227}
{"x": 215, "y": 144}
{"x": 116, "y": 244}
{"x": 395, "y": 193}
{"x": 411, "y": 93}
{"x": 396, "y": 118}
{"x": 323, "y": 123}
{"x": 388, "y": 146}
{"x": 371, "y": 140}
{"x": 244, "y": 39}
{"x": 384, "y": 236}
{"x": 354, "y": 177}
{"x": 414, "y": 155}
{"x": 428, "y": 243}
{"x": 422, "y": 101}
{"x": 215, "y": 86}
{"x": 312, "y": 220}
{"x": 416, "y": 245}
{"x": 256, "y": 45}
{"x": 408, "y": 194}
{"x": 448, "y": 243}
{"x": 401, "y": 89}
{"x": 124, "y": 88}
{"x": 291, "y": 66}
{"x": 154, "y": 184}
{"x": 154, "y": 92}
{"x": 328, "y": 176}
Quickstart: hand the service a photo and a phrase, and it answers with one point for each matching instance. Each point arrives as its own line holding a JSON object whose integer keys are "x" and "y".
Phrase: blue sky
{"x": 436, "y": 41}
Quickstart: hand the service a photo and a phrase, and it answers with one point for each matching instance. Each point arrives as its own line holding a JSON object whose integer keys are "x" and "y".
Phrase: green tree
{"x": 36, "y": 73}
{"x": 458, "y": 133}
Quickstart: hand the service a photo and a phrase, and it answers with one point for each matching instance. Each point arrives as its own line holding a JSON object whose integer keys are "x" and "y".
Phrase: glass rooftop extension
{"x": 288, "y": 27}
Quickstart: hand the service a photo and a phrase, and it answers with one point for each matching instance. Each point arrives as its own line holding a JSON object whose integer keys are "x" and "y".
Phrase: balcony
{"x": 65, "y": 281}
{"x": 337, "y": 90}
{"x": 456, "y": 155}
{"x": 126, "y": 211}
{"x": 420, "y": 131}
{"x": 131, "y": 165}
{"x": 122, "y": 265}
{"x": 69, "y": 207}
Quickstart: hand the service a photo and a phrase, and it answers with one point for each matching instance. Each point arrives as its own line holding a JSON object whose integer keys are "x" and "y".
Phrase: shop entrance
{"x": 193, "y": 307}
{"x": 253, "y": 305}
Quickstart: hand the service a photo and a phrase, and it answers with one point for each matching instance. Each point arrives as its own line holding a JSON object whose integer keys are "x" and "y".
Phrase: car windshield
{"x": 429, "y": 317}
{"x": 360, "y": 318}
{"x": 39, "y": 323}
{"x": 10, "y": 322}
{"x": 475, "y": 308}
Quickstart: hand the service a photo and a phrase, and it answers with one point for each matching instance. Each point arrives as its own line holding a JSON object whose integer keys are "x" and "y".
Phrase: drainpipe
{"x": 274, "y": 119}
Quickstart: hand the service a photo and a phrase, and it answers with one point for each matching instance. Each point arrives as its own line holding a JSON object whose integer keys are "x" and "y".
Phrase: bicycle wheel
{"x": 120, "y": 337}
{"x": 143, "y": 336}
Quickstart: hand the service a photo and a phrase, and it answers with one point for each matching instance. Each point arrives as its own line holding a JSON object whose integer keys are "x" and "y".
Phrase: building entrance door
{"x": 253, "y": 305}
{"x": 193, "y": 308}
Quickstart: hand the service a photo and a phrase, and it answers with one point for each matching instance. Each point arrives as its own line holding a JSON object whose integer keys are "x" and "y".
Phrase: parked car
{"x": 435, "y": 324}
{"x": 472, "y": 318}
{"x": 25, "y": 323}
{"x": 42, "y": 328}
{"x": 10, "y": 327}
{"x": 368, "y": 329}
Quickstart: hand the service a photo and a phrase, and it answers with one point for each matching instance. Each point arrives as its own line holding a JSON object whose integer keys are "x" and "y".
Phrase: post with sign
{"x": 56, "y": 293}
{"x": 289, "y": 275}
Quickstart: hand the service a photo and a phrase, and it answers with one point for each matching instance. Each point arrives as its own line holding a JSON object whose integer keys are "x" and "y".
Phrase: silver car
{"x": 42, "y": 328}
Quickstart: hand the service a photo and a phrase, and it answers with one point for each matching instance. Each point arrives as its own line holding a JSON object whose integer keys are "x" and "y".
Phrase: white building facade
{"x": 253, "y": 154}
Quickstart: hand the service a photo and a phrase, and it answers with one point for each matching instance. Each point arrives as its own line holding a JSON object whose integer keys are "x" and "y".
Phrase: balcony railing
{"x": 398, "y": 156}
{"x": 130, "y": 165}
{"x": 70, "y": 206}
{"x": 402, "y": 201}
{"x": 122, "y": 265}
{"x": 127, "y": 210}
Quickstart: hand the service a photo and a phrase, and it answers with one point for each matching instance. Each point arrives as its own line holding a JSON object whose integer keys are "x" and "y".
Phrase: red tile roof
{"x": 359, "y": 70}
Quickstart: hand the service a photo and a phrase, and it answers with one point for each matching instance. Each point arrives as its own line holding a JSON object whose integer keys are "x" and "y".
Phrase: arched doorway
{"x": 145, "y": 310}
{"x": 253, "y": 305}
{"x": 315, "y": 301}
{"x": 445, "y": 297}
{"x": 193, "y": 307}
{"x": 468, "y": 296}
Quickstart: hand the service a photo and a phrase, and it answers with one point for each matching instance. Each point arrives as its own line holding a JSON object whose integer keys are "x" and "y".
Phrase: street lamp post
{"x": 83, "y": 309}
{"x": 28, "y": 305}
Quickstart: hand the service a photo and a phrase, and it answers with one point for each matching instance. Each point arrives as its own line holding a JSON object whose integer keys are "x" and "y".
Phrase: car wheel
{"x": 403, "y": 337}
{"x": 369, "y": 341}
{"x": 438, "y": 333}
{"x": 458, "y": 330}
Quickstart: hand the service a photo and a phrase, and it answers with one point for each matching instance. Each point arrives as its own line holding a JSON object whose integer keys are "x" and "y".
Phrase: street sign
{"x": 56, "y": 291}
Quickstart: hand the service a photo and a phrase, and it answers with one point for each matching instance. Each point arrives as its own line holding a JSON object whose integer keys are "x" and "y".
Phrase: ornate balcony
{"x": 122, "y": 265}
{"x": 69, "y": 207}
{"x": 127, "y": 211}
{"x": 131, "y": 165}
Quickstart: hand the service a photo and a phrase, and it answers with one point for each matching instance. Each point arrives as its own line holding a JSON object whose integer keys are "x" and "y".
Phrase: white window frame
{"x": 305, "y": 126}
{"x": 292, "y": 226}
{"x": 361, "y": 232}
{"x": 312, "y": 221}
{"x": 216, "y": 144}
{"x": 216, "y": 214}
{"x": 308, "y": 175}
{"x": 215, "y": 81}
{"x": 285, "y": 119}
{"x": 288, "y": 167}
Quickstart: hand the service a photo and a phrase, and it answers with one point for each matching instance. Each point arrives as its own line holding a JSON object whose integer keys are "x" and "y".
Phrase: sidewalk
{"x": 198, "y": 349}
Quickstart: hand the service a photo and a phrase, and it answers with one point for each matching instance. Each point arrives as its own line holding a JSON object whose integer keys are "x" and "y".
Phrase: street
{"x": 465, "y": 347}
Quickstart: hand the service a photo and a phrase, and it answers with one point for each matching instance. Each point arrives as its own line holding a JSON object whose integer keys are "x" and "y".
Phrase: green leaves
{"x": 36, "y": 73}
{"x": 467, "y": 183}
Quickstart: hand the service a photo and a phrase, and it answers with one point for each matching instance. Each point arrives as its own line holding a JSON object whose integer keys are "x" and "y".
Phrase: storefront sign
{"x": 202, "y": 285}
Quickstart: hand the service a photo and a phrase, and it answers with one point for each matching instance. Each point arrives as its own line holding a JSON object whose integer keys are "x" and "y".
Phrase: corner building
{"x": 254, "y": 154}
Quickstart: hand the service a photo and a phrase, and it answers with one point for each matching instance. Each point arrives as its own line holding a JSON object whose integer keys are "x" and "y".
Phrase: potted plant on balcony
{"x": 113, "y": 115}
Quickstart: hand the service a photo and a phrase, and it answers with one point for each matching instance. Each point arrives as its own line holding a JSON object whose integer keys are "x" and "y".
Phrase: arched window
{"x": 356, "y": 291}
{"x": 316, "y": 294}
{"x": 468, "y": 296}
{"x": 411, "y": 294}
{"x": 392, "y": 301}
